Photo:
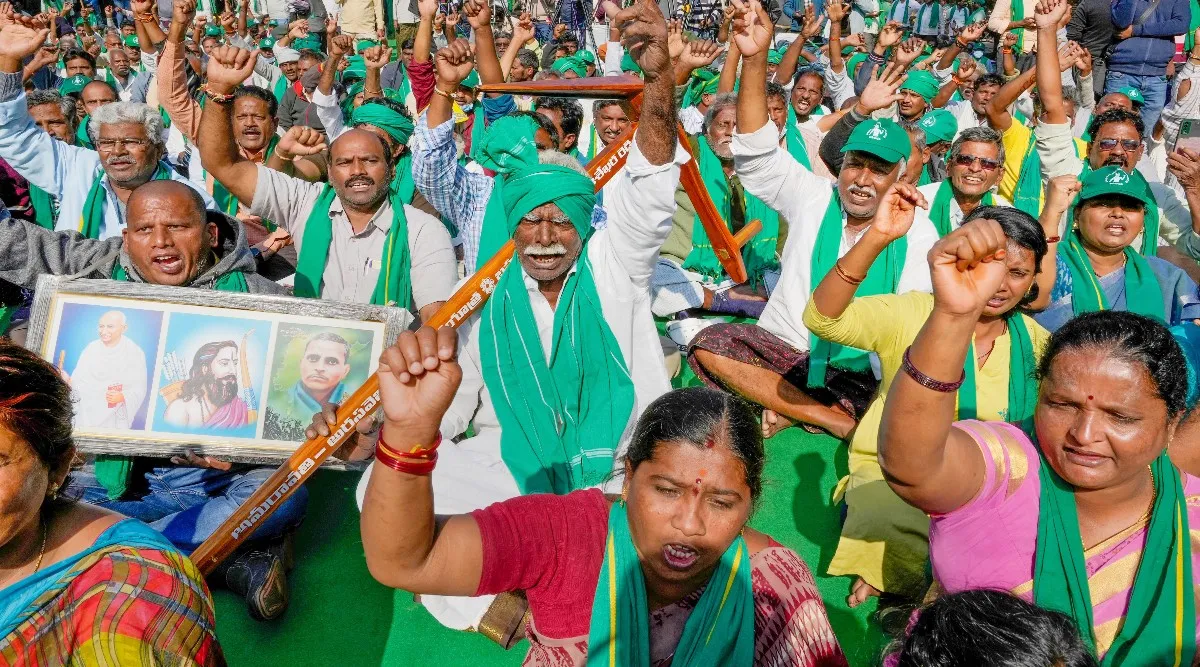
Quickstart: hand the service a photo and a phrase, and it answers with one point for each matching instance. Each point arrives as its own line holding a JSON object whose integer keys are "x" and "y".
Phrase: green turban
{"x": 352, "y": 91}
{"x": 922, "y": 83}
{"x": 774, "y": 57}
{"x": 531, "y": 186}
{"x": 356, "y": 68}
{"x": 509, "y": 144}
{"x": 472, "y": 80}
{"x": 364, "y": 44}
{"x": 628, "y": 64}
{"x": 395, "y": 124}
{"x": 570, "y": 64}
{"x": 310, "y": 43}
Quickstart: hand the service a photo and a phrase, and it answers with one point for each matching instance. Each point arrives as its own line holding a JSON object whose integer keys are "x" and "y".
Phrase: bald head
{"x": 111, "y": 327}
{"x": 184, "y": 200}
{"x": 167, "y": 235}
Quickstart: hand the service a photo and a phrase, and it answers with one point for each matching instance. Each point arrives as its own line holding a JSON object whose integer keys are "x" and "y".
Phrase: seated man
{"x": 170, "y": 240}
{"x": 91, "y": 187}
{"x": 356, "y": 240}
{"x": 972, "y": 172}
{"x": 776, "y": 363}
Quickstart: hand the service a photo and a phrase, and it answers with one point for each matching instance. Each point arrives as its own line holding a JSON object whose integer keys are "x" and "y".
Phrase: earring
{"x": 624, "y": 495}
{"x": 53, "y": 495}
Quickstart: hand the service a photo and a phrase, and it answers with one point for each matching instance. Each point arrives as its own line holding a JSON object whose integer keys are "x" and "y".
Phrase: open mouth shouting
{"x": 169, "y": 263}
{"x": 680, "y": 556}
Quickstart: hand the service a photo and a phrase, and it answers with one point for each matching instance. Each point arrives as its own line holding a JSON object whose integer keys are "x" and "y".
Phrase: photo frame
{"x": 158, "y": 370}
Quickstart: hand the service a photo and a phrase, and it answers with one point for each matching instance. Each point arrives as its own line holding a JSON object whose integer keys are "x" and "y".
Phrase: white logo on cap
{"x": 1118, "y": 177}
{"x": 877, "y": 133}
{"x": 929, "y": 121}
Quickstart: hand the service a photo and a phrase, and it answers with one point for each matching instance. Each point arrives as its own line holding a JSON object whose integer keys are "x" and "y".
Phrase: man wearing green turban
{"x": 701, "y": 90}
{"x": 570, "y": 67}
{"x": 916, "y": 95}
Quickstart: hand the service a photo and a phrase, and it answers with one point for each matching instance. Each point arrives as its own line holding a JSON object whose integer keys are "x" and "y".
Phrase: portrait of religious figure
{"x": 312, "y": 366}
{"x": 107, "y": 356}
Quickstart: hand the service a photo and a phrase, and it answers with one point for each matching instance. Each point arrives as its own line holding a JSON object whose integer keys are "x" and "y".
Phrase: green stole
{"x": 1189, "y": 38}
{"x": 281, "y": 87}
{"x": 719, "y": 631}
{"x": 882, "y": 278}
{"x": 477, "y": 131}
{"x": 1143, "y": 295}
{"x": 1018, "y": 15}
{"x": 1160, "y": 625}
{"x": 1027, "y": 194}
{"x": 394, "y": 286}
{"x": 1022, "y": 386}
{"x": 1151, "y": 222}
{"x": 561, "y": 417}
{"x": 924, "y": 178}
{"x": 224, "y": 198}
{"x": 81, "y": 135}
{"x": 113, "y": 471}
{"x": 795, "y": 141}
{"x": 759, "y": 253}
{"x": 45, "y": 207}
{"x": 939, "y": 210}
{"x": 91, "y": 219}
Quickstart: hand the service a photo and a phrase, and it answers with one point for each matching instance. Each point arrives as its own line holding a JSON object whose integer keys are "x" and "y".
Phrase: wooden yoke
{"x": 362, "y": 403}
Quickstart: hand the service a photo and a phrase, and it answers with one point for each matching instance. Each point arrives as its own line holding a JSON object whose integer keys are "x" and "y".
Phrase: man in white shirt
{"x": 110, "y": 377}
{"x": 972, "y": 172}
{"x": 770, "y": 363}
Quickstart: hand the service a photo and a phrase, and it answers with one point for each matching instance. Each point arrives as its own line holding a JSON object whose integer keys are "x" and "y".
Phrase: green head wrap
{"x": 628, "y": 64}
{"x": 310, "y": 43}
{"x": 364, "y": 44}
{"x": 509, "y": 144}
{"x": 774, "y": 57}
{"x": 533, "y": 185}
{"x": 472, "y": 80}
{"x": 356, "y": 68}
{"x": 395, "y": 124}
{"x": 570, "y": 64}
{"x": 922, "y": 83}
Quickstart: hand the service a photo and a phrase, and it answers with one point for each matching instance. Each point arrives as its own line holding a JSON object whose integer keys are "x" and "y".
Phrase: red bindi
{"x": 709, "y": 443}
{"x": 696, "y": 489}
{"x": 1090, "y": 398}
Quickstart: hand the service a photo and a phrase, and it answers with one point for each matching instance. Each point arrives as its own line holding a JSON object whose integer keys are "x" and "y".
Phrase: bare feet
{"x": 773, "y": 422}
{"x": 859, "y": 593}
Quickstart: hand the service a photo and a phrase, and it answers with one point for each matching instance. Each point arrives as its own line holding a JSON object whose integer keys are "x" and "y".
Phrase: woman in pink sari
{"x": 1082, "y": 512}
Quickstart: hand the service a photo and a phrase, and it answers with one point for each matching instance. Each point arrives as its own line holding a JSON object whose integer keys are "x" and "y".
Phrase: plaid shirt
{"x": 702, "y": 17}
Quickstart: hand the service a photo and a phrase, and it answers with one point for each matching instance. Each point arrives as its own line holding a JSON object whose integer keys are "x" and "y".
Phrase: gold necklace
{"x": 37, "y": 565}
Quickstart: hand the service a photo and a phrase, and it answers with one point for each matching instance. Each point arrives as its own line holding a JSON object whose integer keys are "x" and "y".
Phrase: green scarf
{"x": 795, "y": 141}
{"x": 719, "y": 631}
{"x": 226, "y": 202}
{"x": 1027, "y": 195}
{"x": 1018, "y": 15}
{"x": 113, "y": 471}
{"x": 1022, "y": 386}
{"x": 759, "y": 253}
{"x": 91, "y": 219}
{"x": 394, "y": 284}
{"x": 561, "y": 417}
{"x": 1143, "y": 295}
{"x": 939, "y": 210}
{"x": 281, "y": 87}
{"x": 924, "y": 178}
{"x": 882, "y": 278}
{"x": 1150, "y": 221}
{"x": 1189, "y": 39}
{"x": 1160, "y": 624}
{"x": 81, "y": 135}
{"x": 45, "y": 207}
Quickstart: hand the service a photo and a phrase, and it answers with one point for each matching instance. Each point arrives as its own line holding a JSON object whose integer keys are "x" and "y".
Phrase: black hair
{"x": 989, "y": 80}
{"x": 1133, "y": 338}
{"x": 332, "y": 338}
{"x": 992, "y": 628}
{"x": 76, "y": 54}
{"x": 1116, "y": 116}
{"x": 262, "y": 94}
{"x": 569, "y": 38}
{"x": 697, "y": 416}
{"x": 809, "y": 70}
{"x": 409, "y": 43}
{"x": 35, "y": 404}
{"x": 776, "y": 90}
{"x": 311, "y": 55}
{"x": 201, "y": 369}
{"x": 1022, "y": 229}
{"x": 598, "y": 105}
{"x": 572, "y": 113}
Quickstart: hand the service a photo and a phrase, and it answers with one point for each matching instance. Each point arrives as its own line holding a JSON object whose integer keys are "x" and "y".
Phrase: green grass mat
{"x": 340, "y": 616}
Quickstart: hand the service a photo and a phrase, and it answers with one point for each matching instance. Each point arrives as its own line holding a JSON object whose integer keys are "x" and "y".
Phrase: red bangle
{"x": 416, "y": 451}
{"x": 1053, "y": 239}
{"x": 409, "y": 466}
{"x": 928, "y": 382}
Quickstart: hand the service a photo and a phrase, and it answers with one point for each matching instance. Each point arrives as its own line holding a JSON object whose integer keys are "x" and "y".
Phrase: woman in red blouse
{"x": 667, "y": 574}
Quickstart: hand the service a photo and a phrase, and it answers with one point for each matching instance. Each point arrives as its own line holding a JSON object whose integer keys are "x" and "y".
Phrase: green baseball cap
{"x": 131, "y": 40}
{"x": 1133, "y": 94}
{"x": 472, "y": 80}
{"x": 1117, "y": 181}
{"x": 266, "y": 44}
{"x": 881, "y": 137}
{"x": 74, "y": 84}
{"x": 939, "y": 125}
{"x": 213, "y": 31}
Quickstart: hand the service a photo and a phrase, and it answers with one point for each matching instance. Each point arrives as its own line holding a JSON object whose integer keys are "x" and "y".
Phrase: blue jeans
{"x": 1154, "y": 89}
{"x": 187, "y": 505}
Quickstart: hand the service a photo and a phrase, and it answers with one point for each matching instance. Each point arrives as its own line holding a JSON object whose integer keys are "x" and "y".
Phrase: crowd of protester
{"x": 976, "y": 265}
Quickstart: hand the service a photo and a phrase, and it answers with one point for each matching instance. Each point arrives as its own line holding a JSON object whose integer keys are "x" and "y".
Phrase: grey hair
{"x": 916, "y": 135}
{"x": 720, "y": 103}
{"x": 66, "y": 103}
{"x": 128, "y": 112}
{"x": 981, "y": 135}
{"x": 562, "y": 160}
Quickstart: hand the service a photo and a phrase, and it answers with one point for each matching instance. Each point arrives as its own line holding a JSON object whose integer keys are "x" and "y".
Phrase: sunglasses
{"x": 987, "y": 164}
{"x": 1127, "y": 144}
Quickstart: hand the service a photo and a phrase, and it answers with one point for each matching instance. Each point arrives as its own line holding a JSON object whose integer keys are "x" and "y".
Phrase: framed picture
{"x": 157, "y": 370}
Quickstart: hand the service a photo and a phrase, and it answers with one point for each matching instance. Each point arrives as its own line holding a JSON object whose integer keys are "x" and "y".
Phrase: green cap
{"x": 628, "y": 64}
{"x": 586, "y": 56}
{"x": 774, "y": 56}
{"x": 131, "y": 40}
{"x": 1117, "y": 181}
{"x": 472, "y": 80}
{"x": 74, "y": 84}
{"x": 939, "y": 125}
{"x": 364, "y": 44}
{"x": 922, "y": 83}
{"x": 1133, "y": 94}
{"x": 273, "y": 23}
{"x": 356, "y": 68}
{"x": 310, "y": 43}
{"x": 213, "y": 31}
{"x": 881, "y": 137}
{"x": 266, "y": 44}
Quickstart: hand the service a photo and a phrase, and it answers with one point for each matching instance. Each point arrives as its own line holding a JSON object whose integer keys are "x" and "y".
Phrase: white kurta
{"x": 101, "y": 367}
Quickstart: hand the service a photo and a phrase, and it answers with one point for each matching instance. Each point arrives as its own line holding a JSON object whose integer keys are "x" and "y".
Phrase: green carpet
{"x": 340, "y": 616}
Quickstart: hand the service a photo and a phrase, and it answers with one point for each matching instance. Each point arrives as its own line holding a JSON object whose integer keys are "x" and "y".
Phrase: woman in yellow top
{"x": 885, "y": 541}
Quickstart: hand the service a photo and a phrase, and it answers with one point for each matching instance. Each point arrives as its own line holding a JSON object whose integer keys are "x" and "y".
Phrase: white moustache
{"x": 860, "y": 190}
{"x": 540, "y": 250}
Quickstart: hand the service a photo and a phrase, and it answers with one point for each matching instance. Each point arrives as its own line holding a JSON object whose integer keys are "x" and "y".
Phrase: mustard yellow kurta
{"x": 885, "y": 540}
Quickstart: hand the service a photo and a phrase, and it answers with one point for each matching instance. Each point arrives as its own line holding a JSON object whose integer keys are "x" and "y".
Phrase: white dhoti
{"x": 470, "y": 475}
{"x": 121, "y": 367}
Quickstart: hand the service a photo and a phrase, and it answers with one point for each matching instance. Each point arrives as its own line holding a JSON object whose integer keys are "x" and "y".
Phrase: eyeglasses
{"x": 1127, "y": 144}
{"x": 110, "y": 144}
{"x": 987, "y": 164}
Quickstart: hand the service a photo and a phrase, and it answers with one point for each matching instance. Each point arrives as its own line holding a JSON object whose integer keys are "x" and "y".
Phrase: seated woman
{"x": 81, "y": 585}
{"x": 668, "y": 573}
{"x": 884, "y": 541}
{"x": 1098, "y": 269}
{"x": 1086, "y": 514}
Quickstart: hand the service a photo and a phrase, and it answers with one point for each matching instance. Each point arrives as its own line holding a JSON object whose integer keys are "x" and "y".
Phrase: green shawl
{"x": 45, "y": 207}
{"x": 224, "y": 198}
{"x": 561, "y": 417}
{"x": 795, "y": 141}
{"x": 91, "y": 219}
{"x": 882, "y": 278}
{"x": 1143, "y": 295}
{"x": 939, "y": 210}
{"x": 1018, "y": 15}
{"x": 1022, "y": 385}
{"x": 1160, "y": 624}
{"x": 759, "y": 253}
{"x": 394, "y": 286}
{"x": 113, "y": 471}
{"x": 1027, "y": 194}
{"x": 719, "y": 631}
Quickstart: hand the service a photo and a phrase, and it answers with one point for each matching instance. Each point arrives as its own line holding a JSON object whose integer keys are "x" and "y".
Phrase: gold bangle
{"x": 439, "y": 91}
{"x": 837, "y": 267}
